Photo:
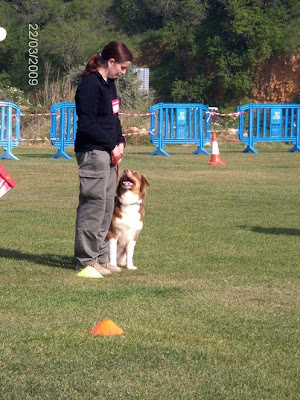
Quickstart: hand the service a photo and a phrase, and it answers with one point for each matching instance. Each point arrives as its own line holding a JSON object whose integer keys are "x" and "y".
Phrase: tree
{"x": 208, "y": 50}
{"x": 172, "y": 50}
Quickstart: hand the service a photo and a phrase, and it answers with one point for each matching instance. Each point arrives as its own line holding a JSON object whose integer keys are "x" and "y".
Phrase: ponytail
{"x": 93, "y": 65}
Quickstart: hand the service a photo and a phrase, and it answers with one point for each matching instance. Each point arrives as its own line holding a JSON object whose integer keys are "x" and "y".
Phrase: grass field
{"x": 212, "y": 311}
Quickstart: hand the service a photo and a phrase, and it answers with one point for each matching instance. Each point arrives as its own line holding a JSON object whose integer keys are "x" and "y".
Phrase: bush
{"x": 16, "y": 95}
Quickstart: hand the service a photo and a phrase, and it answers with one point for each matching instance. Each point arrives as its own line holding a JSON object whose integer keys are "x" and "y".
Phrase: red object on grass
{"x": 6, "y": 181}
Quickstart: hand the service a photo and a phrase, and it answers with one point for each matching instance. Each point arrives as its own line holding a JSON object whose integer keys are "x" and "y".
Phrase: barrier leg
{"x": 295, "y": 148}
{"x": 61, "y": 153}
{"x": 61, "y": 144}
{"x": 159, "y": 148}
{"x": 250, "y": 149}
{"x": 160, "y": 152}
{"x": 8, "y": 154}
{"x": 200, "y": 133}
{"x": 297, "y": 144}
{"x": 201, "y": 150}
{"x": 160, "y": 143}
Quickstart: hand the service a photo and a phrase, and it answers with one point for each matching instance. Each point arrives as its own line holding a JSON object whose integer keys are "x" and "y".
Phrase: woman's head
{"x": 116, "y": 50}
{"x": 114, "y": 60}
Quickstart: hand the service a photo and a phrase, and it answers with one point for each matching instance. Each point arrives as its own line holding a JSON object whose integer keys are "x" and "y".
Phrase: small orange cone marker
{"x": 215, "y": 155}
{"x": 107, "y": 328}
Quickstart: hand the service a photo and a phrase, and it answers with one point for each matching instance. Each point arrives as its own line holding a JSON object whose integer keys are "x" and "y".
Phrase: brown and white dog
{"x": 127, "y": 220}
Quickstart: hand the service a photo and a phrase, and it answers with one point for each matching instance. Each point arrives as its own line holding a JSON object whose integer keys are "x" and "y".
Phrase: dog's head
{"x": 132, "y": 181}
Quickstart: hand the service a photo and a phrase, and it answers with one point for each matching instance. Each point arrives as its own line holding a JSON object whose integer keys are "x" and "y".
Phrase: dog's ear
{"x": 144, "y": 182}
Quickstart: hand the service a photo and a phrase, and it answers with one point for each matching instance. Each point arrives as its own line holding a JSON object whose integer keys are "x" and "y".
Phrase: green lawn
{"x": 212, "y": 311}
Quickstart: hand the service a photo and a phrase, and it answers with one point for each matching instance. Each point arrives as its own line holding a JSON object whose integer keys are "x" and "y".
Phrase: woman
{"x": 99, "y": 147}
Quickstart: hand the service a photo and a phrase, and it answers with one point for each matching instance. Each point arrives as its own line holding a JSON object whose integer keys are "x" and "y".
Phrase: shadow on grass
{"x": 46, "y": 155}
{"x": 50, "y": 260}
{"x": 273, "y": 231}
{"x": 36, "y": 155}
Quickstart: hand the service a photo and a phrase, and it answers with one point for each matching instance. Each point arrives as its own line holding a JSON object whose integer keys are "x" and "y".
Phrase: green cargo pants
{"x": 96, "y": 203}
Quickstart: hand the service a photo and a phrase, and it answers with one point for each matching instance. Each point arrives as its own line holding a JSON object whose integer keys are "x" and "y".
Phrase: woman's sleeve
{"x": 120, "y": 137}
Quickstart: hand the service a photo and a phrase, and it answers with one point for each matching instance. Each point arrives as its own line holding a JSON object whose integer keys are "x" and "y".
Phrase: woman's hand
{"x": 121, "y": 146}
{"x": 117, "y": 153}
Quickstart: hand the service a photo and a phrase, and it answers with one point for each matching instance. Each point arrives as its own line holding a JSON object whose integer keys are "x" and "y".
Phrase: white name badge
{"x": 115, "y": 104}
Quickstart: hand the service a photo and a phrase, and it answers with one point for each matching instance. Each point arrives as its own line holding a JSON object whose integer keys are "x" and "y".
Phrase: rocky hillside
{"x": 279, "y": 80}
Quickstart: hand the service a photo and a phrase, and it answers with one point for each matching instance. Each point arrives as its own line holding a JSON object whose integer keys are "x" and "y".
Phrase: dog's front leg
{"x": 130, "y": 250}
{"x": 112, "y": 244}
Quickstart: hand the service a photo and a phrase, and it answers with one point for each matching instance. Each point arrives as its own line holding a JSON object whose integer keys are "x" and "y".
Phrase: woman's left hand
{"x": 117, "y": 153}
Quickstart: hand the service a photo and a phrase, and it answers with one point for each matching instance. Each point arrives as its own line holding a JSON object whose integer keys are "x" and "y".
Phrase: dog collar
{"x": 137, "y": 203}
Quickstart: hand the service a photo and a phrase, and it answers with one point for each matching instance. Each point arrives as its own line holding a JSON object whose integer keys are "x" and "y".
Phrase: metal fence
{"x": 170, "y": 123}
{"x": 269, "y": 123}
{"x": 179, "y": 123}
{"x": 10, "y": 122}
{"x": 63, "y": 127}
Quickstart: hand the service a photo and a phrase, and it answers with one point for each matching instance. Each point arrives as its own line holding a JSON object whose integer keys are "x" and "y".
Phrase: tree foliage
{"x": 197, "y": 50}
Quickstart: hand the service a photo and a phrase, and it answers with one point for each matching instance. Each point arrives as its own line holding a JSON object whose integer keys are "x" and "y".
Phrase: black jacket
{"x": 98, "y": 128}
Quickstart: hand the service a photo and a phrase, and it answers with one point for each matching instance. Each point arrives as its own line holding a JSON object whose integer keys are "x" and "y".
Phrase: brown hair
{"x": 117, "y": 50}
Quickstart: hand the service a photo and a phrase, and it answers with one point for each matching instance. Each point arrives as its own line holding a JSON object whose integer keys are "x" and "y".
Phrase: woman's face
{"x": 116, "y": 69}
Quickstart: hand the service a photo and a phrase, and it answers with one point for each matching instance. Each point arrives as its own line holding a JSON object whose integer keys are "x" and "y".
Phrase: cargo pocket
{"x": 92, "y": 184}
{"x": 88, "y": 173}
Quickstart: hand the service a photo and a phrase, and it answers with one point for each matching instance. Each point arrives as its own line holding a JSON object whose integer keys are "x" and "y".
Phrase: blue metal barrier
{"x": 179, "y": 123}
{"x": 63, "y": 127}
{"x": 10, "y": 121}
{"x": 269, "y": 123}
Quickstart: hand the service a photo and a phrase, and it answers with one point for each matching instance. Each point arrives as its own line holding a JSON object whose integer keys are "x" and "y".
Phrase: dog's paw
{"x": 132, "y": 267}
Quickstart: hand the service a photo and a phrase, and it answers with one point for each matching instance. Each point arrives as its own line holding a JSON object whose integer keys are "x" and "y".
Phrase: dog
{"x": 127, "y": 219}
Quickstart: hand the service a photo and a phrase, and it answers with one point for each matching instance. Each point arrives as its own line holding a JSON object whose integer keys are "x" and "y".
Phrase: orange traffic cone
{"x": 215, "y": 155}
{"x": 107, "y": 328}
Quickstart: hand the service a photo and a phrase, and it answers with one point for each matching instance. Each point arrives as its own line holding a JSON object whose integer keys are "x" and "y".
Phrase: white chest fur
{"x": 126, "y": 228}
{"x": 130, "y": 222}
